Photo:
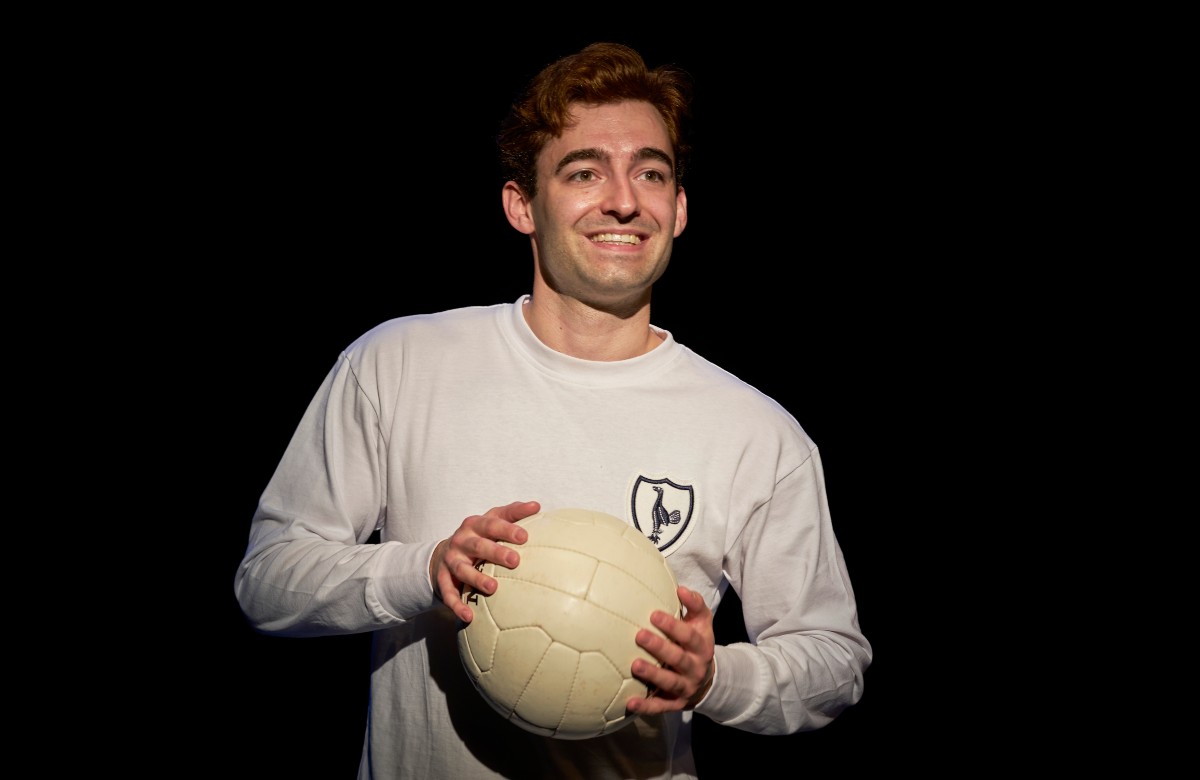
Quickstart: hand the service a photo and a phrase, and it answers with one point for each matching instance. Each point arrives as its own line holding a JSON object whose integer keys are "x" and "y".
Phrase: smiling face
{"x": 608, "y": 207}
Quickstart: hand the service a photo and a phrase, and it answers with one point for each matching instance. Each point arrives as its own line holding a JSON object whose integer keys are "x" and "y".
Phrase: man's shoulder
{"x": 437, "y": 324}
{"x": 722, "y": 388}
{"x": 426, "y": 337}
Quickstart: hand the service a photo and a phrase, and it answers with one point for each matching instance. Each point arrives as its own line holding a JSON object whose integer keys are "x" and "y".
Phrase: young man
{"x": 568, "y": 397}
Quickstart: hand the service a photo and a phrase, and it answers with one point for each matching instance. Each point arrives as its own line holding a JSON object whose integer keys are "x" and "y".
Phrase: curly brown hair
{"x": 598, "y": 74}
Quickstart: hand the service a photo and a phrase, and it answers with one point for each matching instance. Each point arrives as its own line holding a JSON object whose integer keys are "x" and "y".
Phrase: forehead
{"x": 619, "y": 130}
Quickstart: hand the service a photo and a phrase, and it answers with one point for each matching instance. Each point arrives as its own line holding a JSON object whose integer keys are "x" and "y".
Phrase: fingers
{"x": 498, "y": 524}
{"x": 452, "y": 598}
{"x": 517, "y": 510}
{"x": 456, "y": 562}
{"x": 685, "y": 650}
{"x": 478, "y": 545}
{"x": 692, "y": 601}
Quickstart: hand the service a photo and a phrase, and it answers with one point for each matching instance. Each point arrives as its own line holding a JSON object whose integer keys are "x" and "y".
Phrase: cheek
{"x": 563, "y": 212}
{"x": 578, "y": 206}
{"x": 669, "y": 214}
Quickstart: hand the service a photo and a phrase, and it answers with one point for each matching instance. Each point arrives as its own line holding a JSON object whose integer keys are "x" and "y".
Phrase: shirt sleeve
{"x": 806, "y": 658}
{"x": 308, "y": 569}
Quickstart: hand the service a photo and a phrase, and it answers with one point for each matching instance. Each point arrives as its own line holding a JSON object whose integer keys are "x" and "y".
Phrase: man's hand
{"x": 477, "y": 540}
{"x": 686, "y": 654}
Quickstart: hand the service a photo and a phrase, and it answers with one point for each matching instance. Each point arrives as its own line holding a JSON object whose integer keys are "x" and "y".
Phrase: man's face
{"x": 608, "y": 208}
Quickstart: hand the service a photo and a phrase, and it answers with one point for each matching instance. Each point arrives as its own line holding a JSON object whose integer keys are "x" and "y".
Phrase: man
{"x": 568, "y": 397}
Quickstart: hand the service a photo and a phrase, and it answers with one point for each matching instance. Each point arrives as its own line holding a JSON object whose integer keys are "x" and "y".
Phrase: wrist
{"x": 704, "y": 688}
{"x": 439, "y": 550}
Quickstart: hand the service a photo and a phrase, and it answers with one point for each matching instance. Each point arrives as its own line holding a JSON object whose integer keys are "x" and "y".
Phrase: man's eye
{"x": 654, "y": 176}
{"x": 583, "y": 176}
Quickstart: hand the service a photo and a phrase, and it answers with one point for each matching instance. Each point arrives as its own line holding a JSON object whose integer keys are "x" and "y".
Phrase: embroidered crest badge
{"x": 662, "y": 510}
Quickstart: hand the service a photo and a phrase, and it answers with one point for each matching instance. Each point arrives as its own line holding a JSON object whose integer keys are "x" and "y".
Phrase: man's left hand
{"x": 686, "y": 655}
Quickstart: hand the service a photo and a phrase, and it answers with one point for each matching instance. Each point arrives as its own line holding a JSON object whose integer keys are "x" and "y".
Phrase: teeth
{"x": 619, "y": 238}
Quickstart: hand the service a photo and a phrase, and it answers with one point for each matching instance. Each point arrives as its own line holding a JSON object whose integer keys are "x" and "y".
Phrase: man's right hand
{"x": 476, "y": 541}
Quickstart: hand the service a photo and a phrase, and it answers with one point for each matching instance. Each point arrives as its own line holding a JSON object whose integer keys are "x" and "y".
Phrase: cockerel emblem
{"x": 662, "y": 510}
{"x": 662, "y": 518}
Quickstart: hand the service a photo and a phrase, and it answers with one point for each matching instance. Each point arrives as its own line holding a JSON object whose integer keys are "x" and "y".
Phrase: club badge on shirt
{"x": 662, "y": 510}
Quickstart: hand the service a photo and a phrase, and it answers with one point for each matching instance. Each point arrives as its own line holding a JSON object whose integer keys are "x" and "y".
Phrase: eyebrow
{"x": 592, "y": 153}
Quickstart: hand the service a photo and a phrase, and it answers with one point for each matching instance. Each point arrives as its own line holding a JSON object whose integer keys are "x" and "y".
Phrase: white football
{"x": 551, "y": 649}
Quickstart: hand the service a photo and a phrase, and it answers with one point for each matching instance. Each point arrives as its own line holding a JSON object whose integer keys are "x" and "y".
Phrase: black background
{"x": 335, "y": 179}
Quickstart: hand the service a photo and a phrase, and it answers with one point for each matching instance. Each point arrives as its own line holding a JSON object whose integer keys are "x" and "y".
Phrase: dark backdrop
{"x": 336, "y": 182}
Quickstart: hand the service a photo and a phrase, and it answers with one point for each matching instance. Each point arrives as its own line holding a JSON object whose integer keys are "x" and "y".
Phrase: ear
{"x": 517, "y": 208}
{"x": 680, "y": 211}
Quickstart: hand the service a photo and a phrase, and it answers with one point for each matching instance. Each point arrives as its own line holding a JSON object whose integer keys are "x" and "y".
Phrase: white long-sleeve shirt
{"x": 427, "y": 419}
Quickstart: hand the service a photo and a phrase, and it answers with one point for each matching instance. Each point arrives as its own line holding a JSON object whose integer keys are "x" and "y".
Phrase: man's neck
{"x": 573, "y": 328}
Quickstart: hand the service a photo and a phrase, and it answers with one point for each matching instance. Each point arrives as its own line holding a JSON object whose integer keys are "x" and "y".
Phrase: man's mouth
{"x": 615, "y": 238}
